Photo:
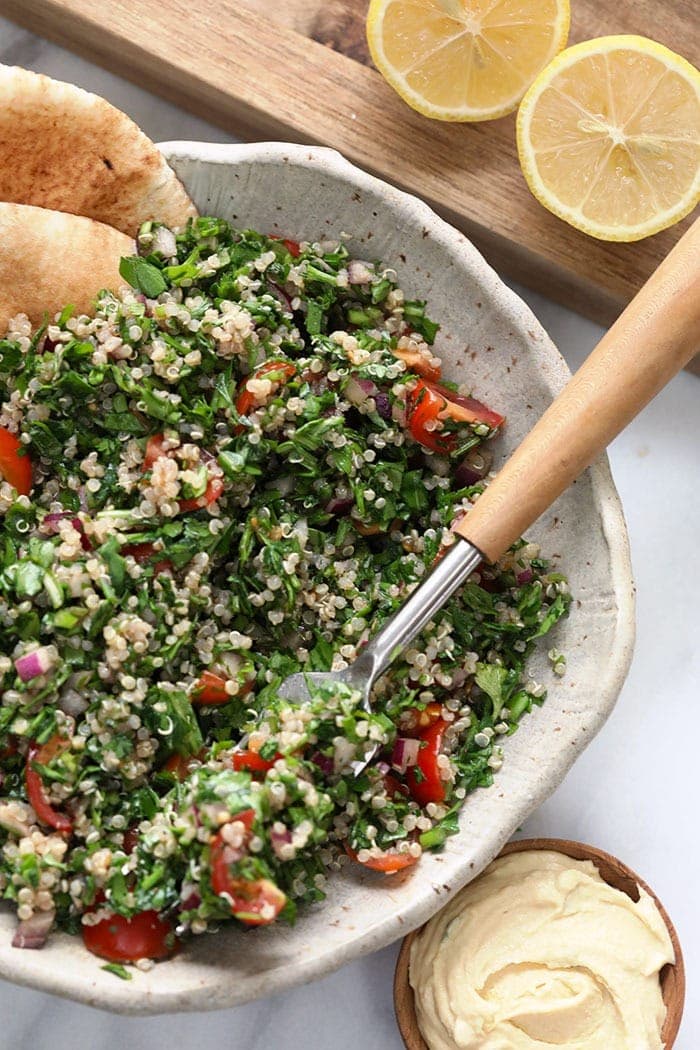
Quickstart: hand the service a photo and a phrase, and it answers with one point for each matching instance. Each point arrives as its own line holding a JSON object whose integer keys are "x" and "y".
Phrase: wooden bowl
{"x": 615, "y": 874}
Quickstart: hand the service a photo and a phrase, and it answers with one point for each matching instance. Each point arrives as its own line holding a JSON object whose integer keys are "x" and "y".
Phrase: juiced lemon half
{"x": 465, "y": 60}
{"x": 609, "y": 137}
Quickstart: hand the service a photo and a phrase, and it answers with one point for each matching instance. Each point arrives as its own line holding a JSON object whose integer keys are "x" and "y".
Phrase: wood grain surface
{"x": 615, "y": 874}
{"x": 300, "y": 71}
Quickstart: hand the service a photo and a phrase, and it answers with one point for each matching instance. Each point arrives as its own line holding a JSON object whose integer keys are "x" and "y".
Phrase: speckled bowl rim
{"x": 61, "y": 967}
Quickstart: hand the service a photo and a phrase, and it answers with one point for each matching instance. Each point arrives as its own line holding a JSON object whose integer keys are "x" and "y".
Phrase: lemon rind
{"x": 527, "y": 155}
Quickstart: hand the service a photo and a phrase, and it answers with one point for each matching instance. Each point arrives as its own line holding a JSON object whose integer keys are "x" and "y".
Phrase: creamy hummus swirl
{"x": 541, "y": 952}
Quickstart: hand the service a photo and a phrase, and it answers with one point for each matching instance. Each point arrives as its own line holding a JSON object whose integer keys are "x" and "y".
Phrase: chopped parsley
{"x": 228, "y": 488}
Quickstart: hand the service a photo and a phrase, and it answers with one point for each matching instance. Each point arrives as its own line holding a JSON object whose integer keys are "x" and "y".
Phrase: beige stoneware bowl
{"x": 490, "y": 339}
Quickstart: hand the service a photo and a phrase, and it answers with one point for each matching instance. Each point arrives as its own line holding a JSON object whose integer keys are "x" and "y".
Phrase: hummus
{"x": 541, "y": 952}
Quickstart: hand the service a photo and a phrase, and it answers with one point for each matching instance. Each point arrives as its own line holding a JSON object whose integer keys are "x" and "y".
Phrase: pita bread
{"x": 49, "y": 259}
{"x": 69, "y": 150}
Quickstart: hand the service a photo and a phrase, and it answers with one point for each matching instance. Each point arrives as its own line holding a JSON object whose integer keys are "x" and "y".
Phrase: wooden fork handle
{"x": 657, "y": 334}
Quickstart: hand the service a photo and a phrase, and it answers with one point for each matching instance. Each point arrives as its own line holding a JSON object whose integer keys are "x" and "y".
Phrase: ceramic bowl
{"x": 615, "y": 873}
{"x": 489, "y": 338}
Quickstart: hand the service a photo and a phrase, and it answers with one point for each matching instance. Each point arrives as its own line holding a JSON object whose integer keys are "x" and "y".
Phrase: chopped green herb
{"x": 143, "y": 276}
{"x": 203, "y": 525}
{"x": 118, "y": 970}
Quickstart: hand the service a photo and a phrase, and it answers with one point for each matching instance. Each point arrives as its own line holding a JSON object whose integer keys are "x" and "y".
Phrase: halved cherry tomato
{"x": 413, "y": 721}
{"x": 423, "y": 411}
{"x": 210, "y": 687}
{"x": 154, "y": 450}
{"x": 246, "y": 817}
{"x": 14, "y": 468}
{"x": 467, "y": 409}
{"x": 390, "y": 862}
{"x": 415, "y": 362}
{"x": 142, "y": 552}
{"x": 423, "y": 779}
{"x": 179, "y": 766}
{"x": 144, "y": 936}
{"x": 256, "y": 902}
{"x": 252, "y": 761}
{"x": 54, "y": 746}
{"x": 210, "y": 690}
{"x": 215, "y": 487}
{"x": 36, "y": 792}
{"x": 291, "y": 246}
{"x": 215, "y": 483}
{"x": 276, "y": 371}
{"x": 429, "y": 403}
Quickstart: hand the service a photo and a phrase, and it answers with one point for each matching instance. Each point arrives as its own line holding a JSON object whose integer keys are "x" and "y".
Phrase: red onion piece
{"x": 49, "y": 345}
{"x": 324, "y": 763}
{"x": 280, "y": 294}
{"x": 405, "y": 753}
{"x": 359, "y": 391}
{"x": 37, "y": 662}
{"x": 526, "y": 576}
{"x": 488, "y": 583}
{"x": 339, "y": 505}
{"x": 383, "y": 768}
{"x": 473, "y": 467}
{"x": 465, "y": 476}
{"x": 51, "y": 521}
{"x": 383, "y": 405}
{"x": 192, "y": 901}
{"x": 33, "y": 933}
{"x": 279, "y": 839}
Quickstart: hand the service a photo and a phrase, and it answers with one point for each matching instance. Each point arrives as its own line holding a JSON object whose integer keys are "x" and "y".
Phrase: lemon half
{"x": 464, "y": 60}
{"x": 609, "y": 137}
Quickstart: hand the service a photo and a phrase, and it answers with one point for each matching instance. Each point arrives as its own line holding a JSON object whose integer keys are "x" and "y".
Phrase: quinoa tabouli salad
{"x": 236, "y": 469}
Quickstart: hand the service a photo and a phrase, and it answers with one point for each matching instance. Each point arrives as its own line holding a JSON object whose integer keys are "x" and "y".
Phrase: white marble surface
{"x": 633, "y": 792}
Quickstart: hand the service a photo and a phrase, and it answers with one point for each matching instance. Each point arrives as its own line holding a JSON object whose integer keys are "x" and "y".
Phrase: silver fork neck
{"x": 407, "y": 622}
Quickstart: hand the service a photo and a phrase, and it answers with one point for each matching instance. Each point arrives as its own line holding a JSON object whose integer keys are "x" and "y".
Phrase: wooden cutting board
{"x": 300, "y": 71}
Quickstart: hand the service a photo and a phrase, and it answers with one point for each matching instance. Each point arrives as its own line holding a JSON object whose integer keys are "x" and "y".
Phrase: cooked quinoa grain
{"x": 240, "y": 467}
